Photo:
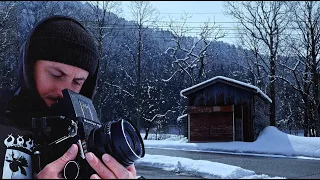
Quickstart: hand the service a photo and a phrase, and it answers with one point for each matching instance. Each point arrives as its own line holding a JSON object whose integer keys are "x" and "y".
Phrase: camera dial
{"x": 71, "y": 170}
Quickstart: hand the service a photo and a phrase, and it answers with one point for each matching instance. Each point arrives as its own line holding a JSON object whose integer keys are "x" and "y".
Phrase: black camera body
{"x": 73, "y": 120}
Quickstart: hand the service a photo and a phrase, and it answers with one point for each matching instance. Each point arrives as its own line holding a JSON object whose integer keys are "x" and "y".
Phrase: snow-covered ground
{"x": 271, "y": 142}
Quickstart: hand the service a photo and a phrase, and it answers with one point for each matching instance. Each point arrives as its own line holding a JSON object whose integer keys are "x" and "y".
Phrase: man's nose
{"x": 65, "y": 85}
{"x": 62, "y": 86}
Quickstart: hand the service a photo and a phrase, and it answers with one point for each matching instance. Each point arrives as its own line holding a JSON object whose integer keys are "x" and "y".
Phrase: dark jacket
{"x": 15, "y": 146}
{"x": 16, "y": 135}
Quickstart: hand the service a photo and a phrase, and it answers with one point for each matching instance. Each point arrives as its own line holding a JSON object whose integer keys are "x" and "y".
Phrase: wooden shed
{"x": 224, "y": 109}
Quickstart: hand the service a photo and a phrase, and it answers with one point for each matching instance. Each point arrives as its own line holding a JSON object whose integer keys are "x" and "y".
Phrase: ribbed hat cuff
{"x": 63, "y": 51}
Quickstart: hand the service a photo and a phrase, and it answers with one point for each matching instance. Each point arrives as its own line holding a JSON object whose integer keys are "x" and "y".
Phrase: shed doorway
{"x": 238, "y": 122}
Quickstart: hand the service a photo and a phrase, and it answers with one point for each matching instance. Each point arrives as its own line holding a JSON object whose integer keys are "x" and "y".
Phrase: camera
{"x": 73, "y": 120}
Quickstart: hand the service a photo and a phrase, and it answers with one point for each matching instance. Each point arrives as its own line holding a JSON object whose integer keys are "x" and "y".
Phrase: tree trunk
{"x": 305, "y": 117}
{"x": 139, "y": 78}
{"x": 316, "y": 105}
{"x": 272, "y": 91}
{"x": 147, "y": 133}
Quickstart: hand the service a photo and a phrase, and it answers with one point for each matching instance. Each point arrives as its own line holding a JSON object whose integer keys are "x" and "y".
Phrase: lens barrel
{"x": 121, "y": 139}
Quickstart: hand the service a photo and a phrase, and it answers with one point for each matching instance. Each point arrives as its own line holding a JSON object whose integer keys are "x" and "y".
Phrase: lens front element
{"x": 133, "y": 138}
{"x": 121, "y": 139}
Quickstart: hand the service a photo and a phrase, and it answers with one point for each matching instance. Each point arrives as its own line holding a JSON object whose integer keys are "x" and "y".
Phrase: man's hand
{"x": 54, "y": 169}
{"x": 109, "y": 168}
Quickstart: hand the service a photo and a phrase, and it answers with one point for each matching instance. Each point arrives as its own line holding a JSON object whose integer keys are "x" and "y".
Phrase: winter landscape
{"x": 150, "y": 51}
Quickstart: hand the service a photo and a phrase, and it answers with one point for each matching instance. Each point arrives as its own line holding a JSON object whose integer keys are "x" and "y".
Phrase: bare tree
{"x": 143, "y": 14}
{"x": 304, "y": 46}
{"x": 190, "y": 59}
{"x": 265, "y": 21}
{"x": 103, "y": 24}
{"x": 255, "y": 61}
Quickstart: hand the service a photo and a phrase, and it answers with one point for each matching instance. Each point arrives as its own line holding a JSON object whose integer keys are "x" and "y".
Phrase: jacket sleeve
{"x": 16, "y": 149}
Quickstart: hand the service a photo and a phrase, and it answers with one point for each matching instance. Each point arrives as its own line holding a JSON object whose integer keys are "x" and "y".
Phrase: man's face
{"x": 52, "y": 77}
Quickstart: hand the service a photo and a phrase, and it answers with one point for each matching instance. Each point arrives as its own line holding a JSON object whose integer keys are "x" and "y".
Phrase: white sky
{"x": 201, "y": 11}
{"x": 271, "y": 142}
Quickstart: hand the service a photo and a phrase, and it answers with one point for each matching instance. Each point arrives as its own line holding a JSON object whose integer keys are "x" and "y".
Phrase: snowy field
{"x": 271, "y": 142}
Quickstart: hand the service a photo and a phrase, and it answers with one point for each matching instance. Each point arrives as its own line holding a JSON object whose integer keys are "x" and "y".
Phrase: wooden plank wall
{"x": 209, "y": 127}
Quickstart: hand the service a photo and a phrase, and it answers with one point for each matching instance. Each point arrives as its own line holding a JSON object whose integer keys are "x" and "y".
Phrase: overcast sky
{"x": 200, "y": 11}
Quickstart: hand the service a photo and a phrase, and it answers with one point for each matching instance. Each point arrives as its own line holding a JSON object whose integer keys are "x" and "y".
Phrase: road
{"x": 157, "y": 173}
{"x": 272, "y": 166}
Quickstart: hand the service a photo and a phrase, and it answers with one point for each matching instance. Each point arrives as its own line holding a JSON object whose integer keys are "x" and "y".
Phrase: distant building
{"x": 224, "y": 109}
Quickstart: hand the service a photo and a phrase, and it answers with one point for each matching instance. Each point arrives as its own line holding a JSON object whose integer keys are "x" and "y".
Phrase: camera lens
{"x": 120, "y": 139}
{"x": 129, "y": 139}
{"x": 133, "y": 138}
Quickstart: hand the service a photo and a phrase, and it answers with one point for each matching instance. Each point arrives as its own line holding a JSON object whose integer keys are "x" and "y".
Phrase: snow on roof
{"x": 226, "y": 79}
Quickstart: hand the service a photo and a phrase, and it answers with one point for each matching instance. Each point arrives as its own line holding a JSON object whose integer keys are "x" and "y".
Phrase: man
{"x": 58, "y": 54}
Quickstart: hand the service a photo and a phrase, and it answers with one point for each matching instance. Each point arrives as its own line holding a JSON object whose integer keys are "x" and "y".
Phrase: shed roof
{"x": 226, "y": 80}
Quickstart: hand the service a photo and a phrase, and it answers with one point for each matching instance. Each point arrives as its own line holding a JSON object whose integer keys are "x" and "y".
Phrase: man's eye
{"x": 77, "y": 83}
{"x": 55, "y": 75}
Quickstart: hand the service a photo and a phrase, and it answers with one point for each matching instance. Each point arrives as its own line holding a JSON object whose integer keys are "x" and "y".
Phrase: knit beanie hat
{"x": 64, "y": 41}
{"x": 61, "y": 39}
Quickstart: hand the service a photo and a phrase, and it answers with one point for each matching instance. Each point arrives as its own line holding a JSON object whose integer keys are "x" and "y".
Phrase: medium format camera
{"x": 73, "y": 120}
